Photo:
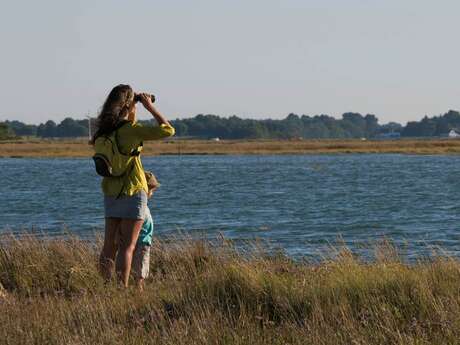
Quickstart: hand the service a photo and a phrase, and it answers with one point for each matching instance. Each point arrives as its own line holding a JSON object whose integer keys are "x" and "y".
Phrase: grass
{"x": 210, "y": 293}
{"x": 80, "y": 148}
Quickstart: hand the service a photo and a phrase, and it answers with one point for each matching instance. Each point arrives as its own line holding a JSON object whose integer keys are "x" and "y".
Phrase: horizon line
{"x": 244, "y": 118}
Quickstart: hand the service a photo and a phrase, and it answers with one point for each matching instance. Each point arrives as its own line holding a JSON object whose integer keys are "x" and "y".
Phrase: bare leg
{"x": 129, "y": 232}
{"x": 109, "y": 250}
{"x": 118, "y": 260}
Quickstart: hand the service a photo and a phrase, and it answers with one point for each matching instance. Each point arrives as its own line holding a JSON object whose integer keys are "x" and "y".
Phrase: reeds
{"x": 209, "y": 293}
{"x": 80, "y": 148}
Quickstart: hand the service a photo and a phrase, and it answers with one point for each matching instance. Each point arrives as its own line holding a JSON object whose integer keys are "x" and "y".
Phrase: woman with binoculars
{"x": 125, "y": 200}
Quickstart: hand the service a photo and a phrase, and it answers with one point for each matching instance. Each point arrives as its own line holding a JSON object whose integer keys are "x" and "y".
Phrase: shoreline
{"x": 79, "y": 148}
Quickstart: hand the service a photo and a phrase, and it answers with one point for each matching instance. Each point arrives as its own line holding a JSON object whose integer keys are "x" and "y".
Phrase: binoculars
{"x": 137, "y": 98}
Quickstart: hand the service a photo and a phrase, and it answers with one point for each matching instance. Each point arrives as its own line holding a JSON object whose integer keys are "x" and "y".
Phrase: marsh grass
{"x": 80, "y": 148}
{"x": 209, "y": 293}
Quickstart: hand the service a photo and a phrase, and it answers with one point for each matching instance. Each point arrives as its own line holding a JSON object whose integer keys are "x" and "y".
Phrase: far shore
{"x": 49, "y": 148}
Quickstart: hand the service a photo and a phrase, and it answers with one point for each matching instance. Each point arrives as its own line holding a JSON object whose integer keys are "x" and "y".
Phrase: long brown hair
{"x": 115, "y": 108}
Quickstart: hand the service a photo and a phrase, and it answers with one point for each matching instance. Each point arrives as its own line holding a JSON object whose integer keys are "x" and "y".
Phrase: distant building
{"x": 390, "y": 135}
{"x": 453, "y": 134}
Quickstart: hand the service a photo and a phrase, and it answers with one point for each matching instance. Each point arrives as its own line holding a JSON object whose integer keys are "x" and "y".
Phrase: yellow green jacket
{"x": 130, "y": 136}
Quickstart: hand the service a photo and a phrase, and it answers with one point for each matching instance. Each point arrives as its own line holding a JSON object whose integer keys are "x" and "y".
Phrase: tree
{"x": 5, "y": 131}
{"x": 351, "y": 125}
{"x": 354, "y": 124}
{"x": 47, "y": 130}
{"x": 21, "y": 129}
{"x": 424, "y": 128}
{"x": 71, "y": 128}
{"x": 391, "y": 127}
{"x": 372, "y": 125}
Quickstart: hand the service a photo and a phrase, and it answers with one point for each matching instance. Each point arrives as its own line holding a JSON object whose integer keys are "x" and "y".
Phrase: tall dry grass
{"x": 207, "y": 293}
{"x": 80, "y": 148}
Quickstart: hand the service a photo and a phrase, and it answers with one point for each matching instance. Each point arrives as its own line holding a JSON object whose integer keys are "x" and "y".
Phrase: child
{"x": 140, "y": 265}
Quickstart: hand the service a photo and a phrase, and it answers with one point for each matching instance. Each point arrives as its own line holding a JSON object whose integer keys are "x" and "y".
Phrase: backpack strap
{"x": 134, "y": 152}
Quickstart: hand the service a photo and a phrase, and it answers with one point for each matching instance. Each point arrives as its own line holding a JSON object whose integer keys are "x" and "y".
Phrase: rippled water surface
{"x": 299, "y": 203}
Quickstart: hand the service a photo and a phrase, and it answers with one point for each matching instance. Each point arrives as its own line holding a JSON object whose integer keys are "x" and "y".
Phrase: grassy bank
{"x": 210, "y": 294}
{"x": 80, "y": 148}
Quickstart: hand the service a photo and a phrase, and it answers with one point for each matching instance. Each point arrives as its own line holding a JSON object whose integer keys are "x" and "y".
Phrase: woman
{"x": 125, "y": 200}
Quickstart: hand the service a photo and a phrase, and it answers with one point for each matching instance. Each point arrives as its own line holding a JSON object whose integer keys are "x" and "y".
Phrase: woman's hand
{"x": 146, "y": 101}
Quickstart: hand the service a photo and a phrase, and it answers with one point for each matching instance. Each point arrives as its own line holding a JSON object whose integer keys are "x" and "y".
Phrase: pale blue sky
{"x": 398, "y": 59}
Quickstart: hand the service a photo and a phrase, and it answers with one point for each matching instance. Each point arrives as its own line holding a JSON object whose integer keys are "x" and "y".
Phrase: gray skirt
{"x": 131, "y": 207}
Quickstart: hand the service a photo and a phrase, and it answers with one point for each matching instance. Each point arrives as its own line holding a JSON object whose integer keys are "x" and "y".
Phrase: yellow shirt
{"x": 130, "y": 137}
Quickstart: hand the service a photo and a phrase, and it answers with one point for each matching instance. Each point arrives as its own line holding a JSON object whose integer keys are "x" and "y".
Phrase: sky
{"x": 397, "y": 59}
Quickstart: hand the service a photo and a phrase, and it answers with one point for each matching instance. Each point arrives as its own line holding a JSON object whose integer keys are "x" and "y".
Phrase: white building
{"x": 453, "y": 134}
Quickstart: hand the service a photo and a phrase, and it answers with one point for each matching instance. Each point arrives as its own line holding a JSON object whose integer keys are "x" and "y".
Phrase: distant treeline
{"x": 351, "y": 125}
{"x": 67, "y": 128}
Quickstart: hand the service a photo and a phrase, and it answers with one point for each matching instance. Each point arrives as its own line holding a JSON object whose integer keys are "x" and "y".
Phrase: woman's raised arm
{"x": 164, "y": 130}
{"x": 147, "y": 103}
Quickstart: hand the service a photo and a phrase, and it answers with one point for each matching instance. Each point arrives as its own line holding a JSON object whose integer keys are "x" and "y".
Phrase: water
{"x": 299, "y": 203}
